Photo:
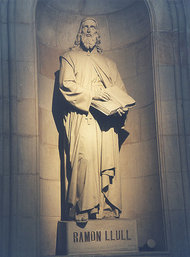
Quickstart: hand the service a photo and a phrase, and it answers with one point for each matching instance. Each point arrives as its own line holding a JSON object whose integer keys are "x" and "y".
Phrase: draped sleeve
{"x": 76, "y": 94}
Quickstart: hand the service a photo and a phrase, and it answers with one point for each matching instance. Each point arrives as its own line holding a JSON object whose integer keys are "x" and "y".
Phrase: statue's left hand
{"x": 120, "y": 111}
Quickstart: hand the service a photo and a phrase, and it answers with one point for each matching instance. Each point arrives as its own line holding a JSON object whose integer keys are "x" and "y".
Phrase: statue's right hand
{"x": 101, "y": 95}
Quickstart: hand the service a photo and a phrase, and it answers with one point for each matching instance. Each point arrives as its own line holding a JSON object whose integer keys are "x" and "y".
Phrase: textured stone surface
{"x": 97, "y": 236}
{"x": 49, "y": 60}
{"x": 169, "y": 118}
{"x": 133, "y": 126}
{"x": 48, "y": 131}
{"x": 149, "y": 228}
{"x": 163, "y": 21}
{"x": 26, "y": 117}
{"x": 90, "y": 8}
{"x": 165, "y": 42}
{"x": 147, "y": 122}
{"x": 27, "y": 201}
{"x": 3, "y": 11}
{"x": 109, "y": 6}
{"x": 4, "y": 235}
{"x": 125, "y": 60}
{"x": 45, "y": 90}
{"x": 50, "y": 198}
{"x": 48, "y": 233}
{"x": 184, "y": 160}
{"x": 25, "y": 11}
{"x": 1, "y": 191}
{"x": 49, "y": 162}
{"x": 5, "y": 195}
{"x": 5, "y": 80}
{"x": 186, "y": 107}
{"x": 46, "y": 24}
{"x": 27, "y": 154}
{"x": 144, "y": 93}
{"x": 143, "y": 55}
{"x": 172, "y": 154}
{"x": 167, "y": 83}
{"x": 175, "y": 191}
{"x": 139, "y": 159}
{"x": 148, "y": 161}
{"x": 24, "y": 236}
{"x": 67, "y": 30}
{"x": 128, "y": 197}
{"x": 151, "y": 200}
{"x": 1, "y": 152}
{"x": 141, "y": 196}
{"x": 4, "y": 33}
{"x": 179, "y": 228}
{"x": 24, "y": 42}
{"x": 125, "y": 29}
{"x": 188, "y": 149}
{"x": 129, "y": 156}
{"x": 25, "y": 80}
{"x": 186, "y": 87}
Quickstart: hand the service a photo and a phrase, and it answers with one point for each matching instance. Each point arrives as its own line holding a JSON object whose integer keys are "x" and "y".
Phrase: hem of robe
{"x": 106, "y": 175}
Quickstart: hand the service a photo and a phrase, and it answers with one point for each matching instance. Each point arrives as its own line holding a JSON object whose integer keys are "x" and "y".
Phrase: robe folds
{"x": 91, "y": 139}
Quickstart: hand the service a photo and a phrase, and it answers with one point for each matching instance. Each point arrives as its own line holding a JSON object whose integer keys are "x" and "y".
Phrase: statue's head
{"x": 88, "y": 35}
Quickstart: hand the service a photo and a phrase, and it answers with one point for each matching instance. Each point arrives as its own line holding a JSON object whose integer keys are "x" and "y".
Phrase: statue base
{"x": 97, "y": 236}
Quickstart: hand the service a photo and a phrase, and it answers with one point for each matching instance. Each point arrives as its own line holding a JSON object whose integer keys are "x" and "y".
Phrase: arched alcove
{"x": 126, "y": 38}
{"x": 26, "y": 110}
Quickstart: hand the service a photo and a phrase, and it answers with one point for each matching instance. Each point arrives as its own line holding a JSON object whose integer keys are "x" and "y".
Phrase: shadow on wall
{"x": 59, "y": 108}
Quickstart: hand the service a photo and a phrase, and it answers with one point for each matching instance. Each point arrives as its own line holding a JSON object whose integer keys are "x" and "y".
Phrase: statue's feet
{"x": 116, "y": 213}
{"x": 81, "y": 217}
{"x": 111, "y": 214}
{"x": 108, "y": 214}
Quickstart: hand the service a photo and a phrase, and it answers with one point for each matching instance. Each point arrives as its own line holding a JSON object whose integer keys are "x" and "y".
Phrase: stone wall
{"x": 4, "y": 134}
{"x": 148, "y": 40}
{"x": 126, "y": 38}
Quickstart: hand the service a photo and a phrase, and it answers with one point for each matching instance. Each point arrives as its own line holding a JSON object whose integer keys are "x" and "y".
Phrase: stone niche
{"x": 126, "y": 38}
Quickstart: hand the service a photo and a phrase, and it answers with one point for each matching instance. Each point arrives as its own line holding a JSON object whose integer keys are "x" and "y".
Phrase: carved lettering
{"x": 87, "y": 236}
{"x": 117, "y": 234}
{"x": 93, "y": 236}
{"x": 81, "y": 237}
{"x": 111, "y": 233}
{"x": 122, "y": 236}
{"x": 75, "y": 237}
{"x": 106, "y": 236}
{"x": 98, "y": 236}
{"x": 127, "y": 233}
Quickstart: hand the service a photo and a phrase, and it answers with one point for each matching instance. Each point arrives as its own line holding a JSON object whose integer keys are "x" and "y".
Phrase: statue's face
{"x": 89, "y": 34}
{"x": 89, "y": 27}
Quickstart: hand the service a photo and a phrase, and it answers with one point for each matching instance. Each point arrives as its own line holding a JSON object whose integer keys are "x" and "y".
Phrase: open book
{"x": 118, "y": 99}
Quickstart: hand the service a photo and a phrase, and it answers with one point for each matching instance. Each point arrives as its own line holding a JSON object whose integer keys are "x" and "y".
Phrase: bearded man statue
{"x": 91, "y": 150}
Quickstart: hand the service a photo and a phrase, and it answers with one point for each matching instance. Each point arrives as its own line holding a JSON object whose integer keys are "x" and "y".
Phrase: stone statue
{"x": 91, "y": 147}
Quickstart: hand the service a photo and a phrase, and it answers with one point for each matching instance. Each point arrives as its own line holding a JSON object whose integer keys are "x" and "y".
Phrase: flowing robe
{"x": 91, "y": 142}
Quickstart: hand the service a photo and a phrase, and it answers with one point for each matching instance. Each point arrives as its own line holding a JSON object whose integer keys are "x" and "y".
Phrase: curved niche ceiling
{"x": 85, "y": 7}
{"x": 122, "y": 22}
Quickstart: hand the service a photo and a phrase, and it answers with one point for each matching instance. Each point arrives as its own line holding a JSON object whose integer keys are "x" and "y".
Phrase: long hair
{"x": 79, "y": 34}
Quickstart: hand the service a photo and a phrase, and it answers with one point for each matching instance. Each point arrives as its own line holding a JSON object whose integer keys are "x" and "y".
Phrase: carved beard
{"x": 89, "y": 42}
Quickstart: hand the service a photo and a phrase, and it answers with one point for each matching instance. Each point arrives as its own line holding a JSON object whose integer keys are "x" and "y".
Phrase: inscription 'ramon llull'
{"x": 98, "y": 236}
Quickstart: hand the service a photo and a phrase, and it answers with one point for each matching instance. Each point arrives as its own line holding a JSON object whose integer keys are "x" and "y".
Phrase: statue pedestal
{"x": 97, "y": 236}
